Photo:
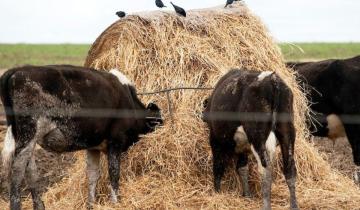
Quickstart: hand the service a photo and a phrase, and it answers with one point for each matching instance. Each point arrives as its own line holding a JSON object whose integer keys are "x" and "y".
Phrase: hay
{"x": 171, "y": 168}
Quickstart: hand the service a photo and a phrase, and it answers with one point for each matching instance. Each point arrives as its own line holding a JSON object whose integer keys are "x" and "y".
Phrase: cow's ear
{"x": 152, "y": 107}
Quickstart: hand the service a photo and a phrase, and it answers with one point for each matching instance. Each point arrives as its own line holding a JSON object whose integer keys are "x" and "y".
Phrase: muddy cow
{"x": 333, "y": 87}
{"x": 64, "y": 109}
{"x": 249, "y": 111}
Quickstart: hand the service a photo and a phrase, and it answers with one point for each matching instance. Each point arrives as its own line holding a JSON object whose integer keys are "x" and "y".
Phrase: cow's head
{"x": 153, "y": 117}
{"x": 146, "y": 122}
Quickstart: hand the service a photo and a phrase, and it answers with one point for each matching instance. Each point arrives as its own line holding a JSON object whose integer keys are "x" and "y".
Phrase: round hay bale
{"x": 171, "y": 168}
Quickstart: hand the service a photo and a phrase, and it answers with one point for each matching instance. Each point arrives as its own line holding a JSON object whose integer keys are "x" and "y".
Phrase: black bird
{"x": 228, "y": 2}
{"x": 159, "y": 3}
{"x": 179, "y": 10}
{"x": 121, "y": 14}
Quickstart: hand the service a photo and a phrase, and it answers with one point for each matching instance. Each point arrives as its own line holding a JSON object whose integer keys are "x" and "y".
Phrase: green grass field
{"x": 40, "y": 54}
{"x": 319, "y": 51}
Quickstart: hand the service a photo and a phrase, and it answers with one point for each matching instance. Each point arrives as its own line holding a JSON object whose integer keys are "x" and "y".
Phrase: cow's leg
{"x": 93, "y": 173}
{"x": 113, "y": 155}
{"x": 218, "y": 163}
{"x": 264, "y": 167}
{"x": 17, "y": 174}
{"x": 243, "y": 171}
{"x": 285, "y": 133}
{"x": 27, "y": 137}
{"x": 352, "y": 132}
{"x": 263, "y": 147}
{"x": 32, "y": 177}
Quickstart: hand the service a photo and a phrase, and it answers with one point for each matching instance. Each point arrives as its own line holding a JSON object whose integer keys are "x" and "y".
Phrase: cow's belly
{"x": 55, "y": 141}
{"x": 67, "y": 138}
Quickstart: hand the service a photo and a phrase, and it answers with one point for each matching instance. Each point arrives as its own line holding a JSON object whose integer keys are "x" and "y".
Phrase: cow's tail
{"x": 276, "y": 100}
{"x": 8, "y": 150}
{"x": 9, "y": 142}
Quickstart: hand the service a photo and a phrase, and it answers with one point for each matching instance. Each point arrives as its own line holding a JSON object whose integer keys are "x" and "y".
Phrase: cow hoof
{"x": 248, "y": 195}
{"x": 294, "y": 207}
{"x": 89, "y": 206}
{"x": 113, "y": 199}
{"x": 39, "y": 205}
{"x": 357, "y": 176}
{"x": 266, "y": 205}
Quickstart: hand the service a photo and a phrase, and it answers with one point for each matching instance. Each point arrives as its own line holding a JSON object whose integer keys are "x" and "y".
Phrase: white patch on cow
{"x": 264, "y": 74}
{"x": 241, "y": 140}
{"x": 261, "y": 169}
{"x": 335, "y": 126}
{"x": 121, "y": 77}
{"x": 9, "y": 149}
{"x": 113, "y": 196}
{"x": 271, "y": 145}
{"x": 240, "y": 134}
{"x": 101, "y": 147}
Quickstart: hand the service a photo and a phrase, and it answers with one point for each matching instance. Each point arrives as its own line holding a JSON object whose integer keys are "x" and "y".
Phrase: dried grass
{"x": 171, "y": 168}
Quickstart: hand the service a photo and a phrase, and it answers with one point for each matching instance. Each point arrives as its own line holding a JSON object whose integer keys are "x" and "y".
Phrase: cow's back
{"x": 75, "y": 99}
{"x": 86, "y": 88}
{"x": 331, "y": 83}
{"x": 236, "y": 85}
{"x": 237, "y": 93}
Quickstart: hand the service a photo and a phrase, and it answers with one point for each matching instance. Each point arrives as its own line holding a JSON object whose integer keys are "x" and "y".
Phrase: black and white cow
{"x": 249, "y": 111}
{"x": 334, "y": 93}
{"x": 66, "y": 108}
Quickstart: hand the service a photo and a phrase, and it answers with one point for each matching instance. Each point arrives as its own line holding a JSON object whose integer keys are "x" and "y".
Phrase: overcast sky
{"x": 81, "y": 21}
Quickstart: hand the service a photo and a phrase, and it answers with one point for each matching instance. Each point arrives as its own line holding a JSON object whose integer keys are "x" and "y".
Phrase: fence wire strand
{"x": 141, "y": 114}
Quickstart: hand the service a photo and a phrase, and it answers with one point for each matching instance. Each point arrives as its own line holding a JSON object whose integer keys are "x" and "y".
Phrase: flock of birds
{"x": 178, "y": 10}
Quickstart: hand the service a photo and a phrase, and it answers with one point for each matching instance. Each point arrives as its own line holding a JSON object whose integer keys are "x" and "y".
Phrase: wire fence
{"x": 144, "y": 114}
{"x": 141, "y": 114}
{"x": 167, "y": 91}
{"x": 174, "y": 89}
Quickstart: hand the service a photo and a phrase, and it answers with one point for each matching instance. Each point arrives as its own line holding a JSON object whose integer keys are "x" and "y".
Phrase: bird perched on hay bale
{"x": 159, "y": 4}
{"x": 228, "y": 2}
{"x": 179, "y": 10}
{"x": 120, "y": 14}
